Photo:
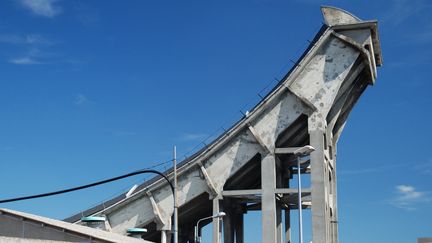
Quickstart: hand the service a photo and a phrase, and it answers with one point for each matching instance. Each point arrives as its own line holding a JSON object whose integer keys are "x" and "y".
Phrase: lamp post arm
{"x": 197, "y": 235}
{"x": 199, "y": 221}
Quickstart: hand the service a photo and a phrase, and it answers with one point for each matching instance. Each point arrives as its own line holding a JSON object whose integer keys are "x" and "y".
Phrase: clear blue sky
{"x": 93, "y": 89}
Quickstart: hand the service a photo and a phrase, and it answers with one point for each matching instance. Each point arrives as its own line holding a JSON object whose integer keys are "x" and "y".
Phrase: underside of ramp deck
{"x": 251, "y": 165}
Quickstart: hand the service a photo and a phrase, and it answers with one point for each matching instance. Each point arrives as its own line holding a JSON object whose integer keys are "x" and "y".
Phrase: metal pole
{"x": 196, "y": 234}
{"x": 163, "y": 236}
{"x": 197, "y": 237}
{"x": 299, "y": 201}
{"x": 175, "y": 197}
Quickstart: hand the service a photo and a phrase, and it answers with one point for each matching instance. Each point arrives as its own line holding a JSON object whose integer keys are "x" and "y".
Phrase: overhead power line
{"x": 87, "y": 186}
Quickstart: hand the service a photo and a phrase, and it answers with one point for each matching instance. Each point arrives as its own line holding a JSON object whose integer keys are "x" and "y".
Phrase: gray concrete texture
{"x": 242, "y": 171}
{"x": 24, "y": 240}
{"x": 14, "y": 224}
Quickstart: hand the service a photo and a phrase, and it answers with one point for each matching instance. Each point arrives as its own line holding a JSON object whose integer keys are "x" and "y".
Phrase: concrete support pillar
{"x": 163, "y": 236}
{"x": 279, "y": 226}
{"x": 320, "y": 222}
{"x": 279, "y": 184}
{"x": 217, "y": 233}
{"x": 287, "y": 214}
{"x": 287, "y": 226}
{"x": 182, "y": 239}
{"x": 186, "y": 234}
{"x": 228, "y": 223}
{"x": 239, "y": 228}
{"x": 268, "y": 204}
{"x": 169, "y": 236}
{"x": 333, "y": 184}
{"x": 191, "y": 234}
{"x": 228, "y": 230}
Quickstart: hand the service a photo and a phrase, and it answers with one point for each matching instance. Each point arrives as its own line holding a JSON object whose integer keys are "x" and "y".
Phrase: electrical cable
{"x": 88, "y": 185}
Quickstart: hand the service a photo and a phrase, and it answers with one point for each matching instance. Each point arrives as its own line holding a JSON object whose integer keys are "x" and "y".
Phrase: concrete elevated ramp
{"x": 251, "y": 166}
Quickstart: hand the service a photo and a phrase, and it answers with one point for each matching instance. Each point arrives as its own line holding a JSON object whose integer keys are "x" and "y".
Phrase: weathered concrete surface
{"x": 22, "y": 240}
{"x": 336, "y": 16}
{"x": 309, "y": 106}
{"x": 14, "y": 224}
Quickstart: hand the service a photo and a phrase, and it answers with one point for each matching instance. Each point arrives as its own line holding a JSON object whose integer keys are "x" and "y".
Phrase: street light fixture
{"x": 136, "y": 232}
{"x": 197, "y": 237}
{"x": 303, "y": 151}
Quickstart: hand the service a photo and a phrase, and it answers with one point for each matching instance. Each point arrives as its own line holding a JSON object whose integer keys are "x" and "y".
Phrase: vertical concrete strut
{"x": 279, "y": 184}
{"x": 228, "y": 223}
{"x": 320, "y": 222}
{"x": 268, "y": 199}
{"x": 287, "y": 214}
{"x": 217, "y": 227}
{"x": 239, "y": 231}
{"x": 287, "y": 211}
{"x": 334, "y": 218}
{"x": 163, "y": 236}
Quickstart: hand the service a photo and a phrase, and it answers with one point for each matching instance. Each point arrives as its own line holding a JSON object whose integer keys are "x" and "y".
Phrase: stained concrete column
{"x": 186, "y": 234}
{"x": 228, "y": 224}
{"x": 239, "y": 228}
{"x": 320, "y": 222}
{"x": 163, "y": 236}
{"x": 279, "y": 184}
{"x": 268, "y": 204}
{"x": 287, "y": 213}
{"x": 216, "y": 222}
{"x": 182, "y": 239}
{"x": 333, "y": 184}
{"x": 287, "y": 226}
{"x": 279, "y": 226}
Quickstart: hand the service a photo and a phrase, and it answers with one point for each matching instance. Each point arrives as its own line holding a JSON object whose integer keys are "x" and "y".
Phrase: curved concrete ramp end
{"x": 336, "y": 16}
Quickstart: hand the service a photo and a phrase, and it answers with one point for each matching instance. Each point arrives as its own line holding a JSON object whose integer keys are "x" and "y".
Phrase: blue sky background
{"x": 94, "y": 89}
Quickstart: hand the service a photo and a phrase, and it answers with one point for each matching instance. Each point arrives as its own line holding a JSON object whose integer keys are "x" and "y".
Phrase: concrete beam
{"x": 292, "y": 191}
{"x": 211, "y": 188}
{"x": 229, "y": 193}
{"x": 285, "y": 150}
{"x": 282, "y": 191}
{"x": 161, "y": 224}
{"x": 258, "y": 138}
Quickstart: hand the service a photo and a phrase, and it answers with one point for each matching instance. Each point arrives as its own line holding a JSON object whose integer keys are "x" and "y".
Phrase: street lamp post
{"x": 305, "y": 150}
{"x": 175, "y": 213}
{"x": 197, "y": 237}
